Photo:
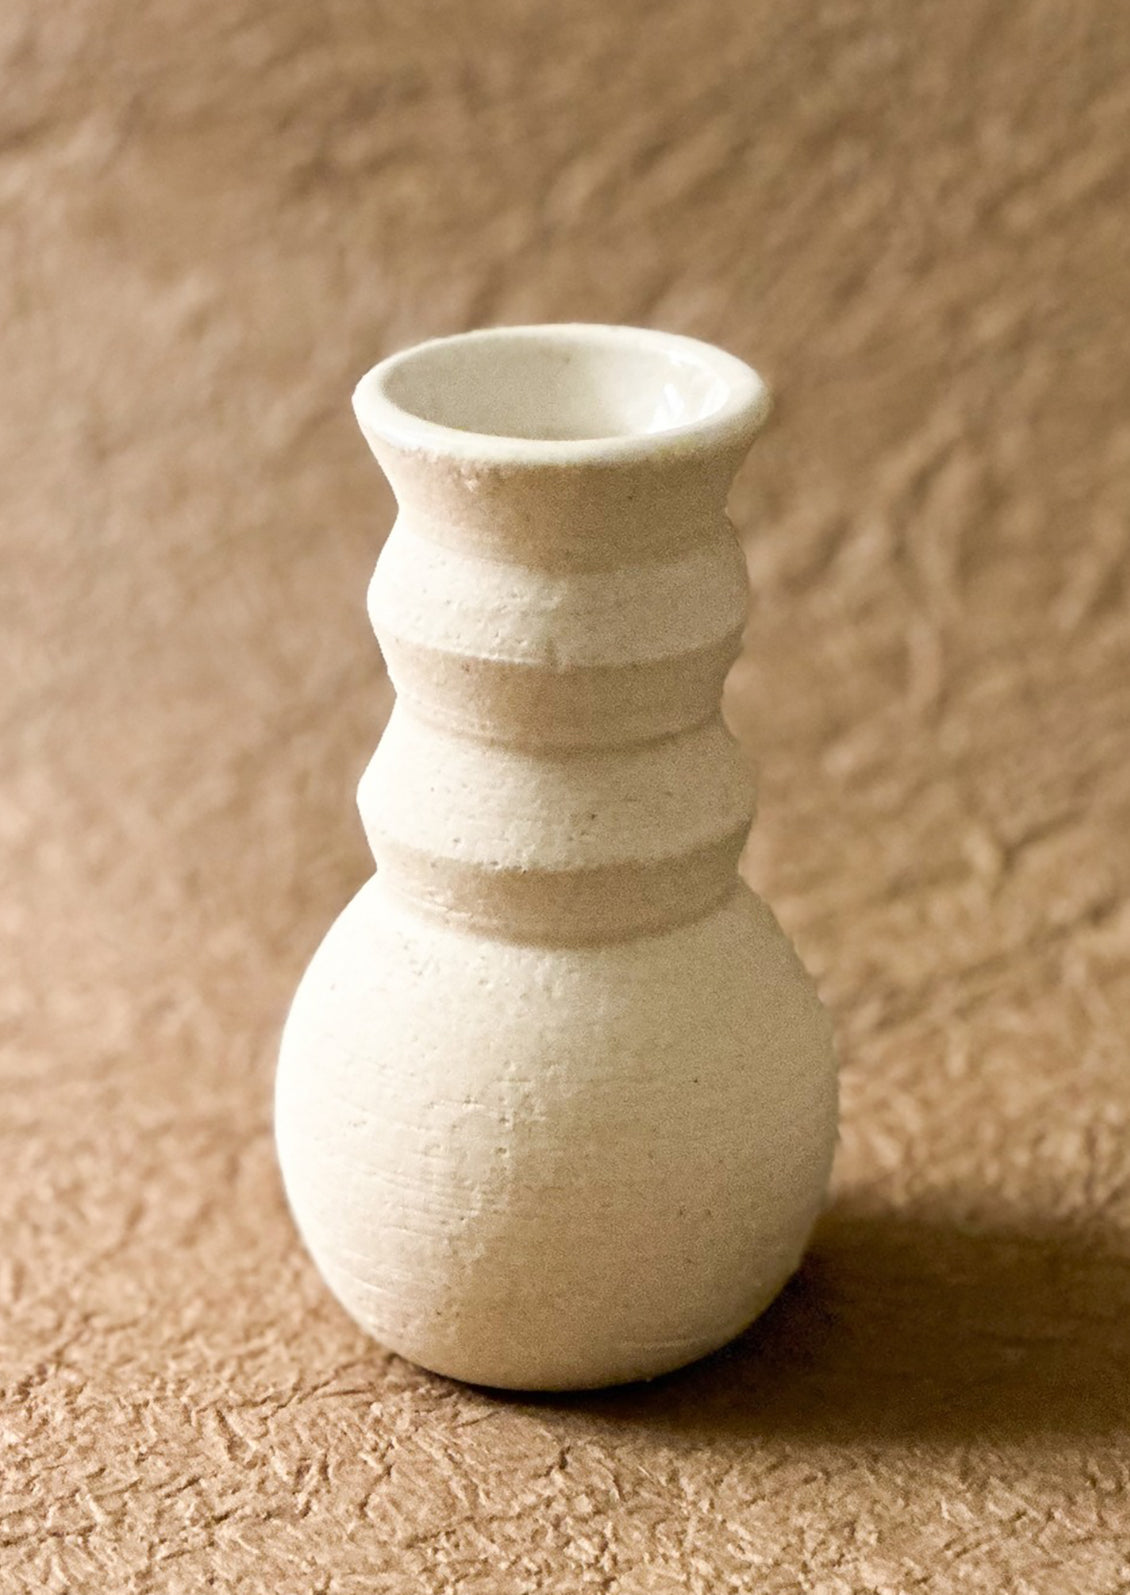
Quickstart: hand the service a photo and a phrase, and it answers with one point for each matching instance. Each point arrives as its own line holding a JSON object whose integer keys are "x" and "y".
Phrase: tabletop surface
{"x": 912, "y": 220}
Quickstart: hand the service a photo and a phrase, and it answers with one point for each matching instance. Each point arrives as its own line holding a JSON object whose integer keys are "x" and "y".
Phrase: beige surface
{"x": 913, "y": 218}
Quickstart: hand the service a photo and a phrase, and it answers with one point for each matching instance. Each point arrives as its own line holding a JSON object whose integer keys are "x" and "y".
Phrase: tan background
{"x": 913, "y": 218}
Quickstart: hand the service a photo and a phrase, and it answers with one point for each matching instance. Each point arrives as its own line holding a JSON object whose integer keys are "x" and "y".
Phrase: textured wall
{"x": 913, "y": 219}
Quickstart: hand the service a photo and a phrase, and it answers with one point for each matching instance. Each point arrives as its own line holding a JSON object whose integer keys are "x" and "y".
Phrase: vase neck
{"x": 563, "y": 517}
{"x": 558, "y": 604}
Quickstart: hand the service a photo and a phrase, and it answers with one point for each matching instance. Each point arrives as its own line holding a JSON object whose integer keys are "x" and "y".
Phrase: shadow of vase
{"x": 900, "y": 1327}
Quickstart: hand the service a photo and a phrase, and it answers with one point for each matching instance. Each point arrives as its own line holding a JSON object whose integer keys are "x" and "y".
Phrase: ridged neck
{"x": 558, "y": 615}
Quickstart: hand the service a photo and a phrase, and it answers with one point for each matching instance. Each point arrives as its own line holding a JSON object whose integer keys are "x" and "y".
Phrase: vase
{"x": 556, "y": 1100}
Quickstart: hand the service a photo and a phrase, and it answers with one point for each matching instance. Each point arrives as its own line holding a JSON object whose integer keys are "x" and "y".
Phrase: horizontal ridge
{"x": 567, "y": 907}
{"x": 598, "y": 843}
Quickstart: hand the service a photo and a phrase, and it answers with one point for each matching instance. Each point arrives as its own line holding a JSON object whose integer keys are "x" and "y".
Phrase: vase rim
{"x": 562, "y": 393}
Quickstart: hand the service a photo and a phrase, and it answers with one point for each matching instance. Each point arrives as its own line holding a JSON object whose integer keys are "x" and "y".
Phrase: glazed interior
{"x": 558, "y": 384}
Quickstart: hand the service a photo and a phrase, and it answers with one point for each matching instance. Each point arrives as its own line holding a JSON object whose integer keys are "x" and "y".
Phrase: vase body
{"x": 556, "y": 1099}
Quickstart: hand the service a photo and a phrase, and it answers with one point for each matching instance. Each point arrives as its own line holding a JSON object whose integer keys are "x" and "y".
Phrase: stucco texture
{"x": 913, "y": 219}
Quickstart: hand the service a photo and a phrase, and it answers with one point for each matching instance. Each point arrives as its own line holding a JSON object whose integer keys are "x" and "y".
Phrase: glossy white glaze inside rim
{"x": 519, "y": 390}
{"x": 554, "y": 388}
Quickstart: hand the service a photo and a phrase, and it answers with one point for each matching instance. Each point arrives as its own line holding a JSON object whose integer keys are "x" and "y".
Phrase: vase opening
{"x": 600, "y": 386}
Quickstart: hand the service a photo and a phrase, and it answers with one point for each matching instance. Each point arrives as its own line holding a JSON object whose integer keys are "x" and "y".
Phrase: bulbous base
{"x": 555, "y": 1168}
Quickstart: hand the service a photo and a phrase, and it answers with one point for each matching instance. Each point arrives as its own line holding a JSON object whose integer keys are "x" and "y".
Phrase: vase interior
{"x": 557, "y": 384}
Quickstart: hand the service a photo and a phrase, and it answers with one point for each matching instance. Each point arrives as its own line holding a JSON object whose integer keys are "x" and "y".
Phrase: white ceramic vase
{"x": 556, "y": 1101}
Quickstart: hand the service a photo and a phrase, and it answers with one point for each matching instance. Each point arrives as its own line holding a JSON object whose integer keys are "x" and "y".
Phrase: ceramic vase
{"x": 556, "y": 1101}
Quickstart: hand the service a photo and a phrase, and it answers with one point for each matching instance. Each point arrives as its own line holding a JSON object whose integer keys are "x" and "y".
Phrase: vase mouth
{"x": 561, "y": 393}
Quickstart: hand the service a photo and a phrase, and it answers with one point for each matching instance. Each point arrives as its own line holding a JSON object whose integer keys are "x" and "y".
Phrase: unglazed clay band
{"x": 566, "y": 907}
{"x": 584, "y": 706}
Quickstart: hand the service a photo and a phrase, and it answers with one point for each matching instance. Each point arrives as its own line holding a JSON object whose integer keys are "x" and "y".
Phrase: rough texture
{"x": 913, "y": 219}
{"x": 556, "y": 1104}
